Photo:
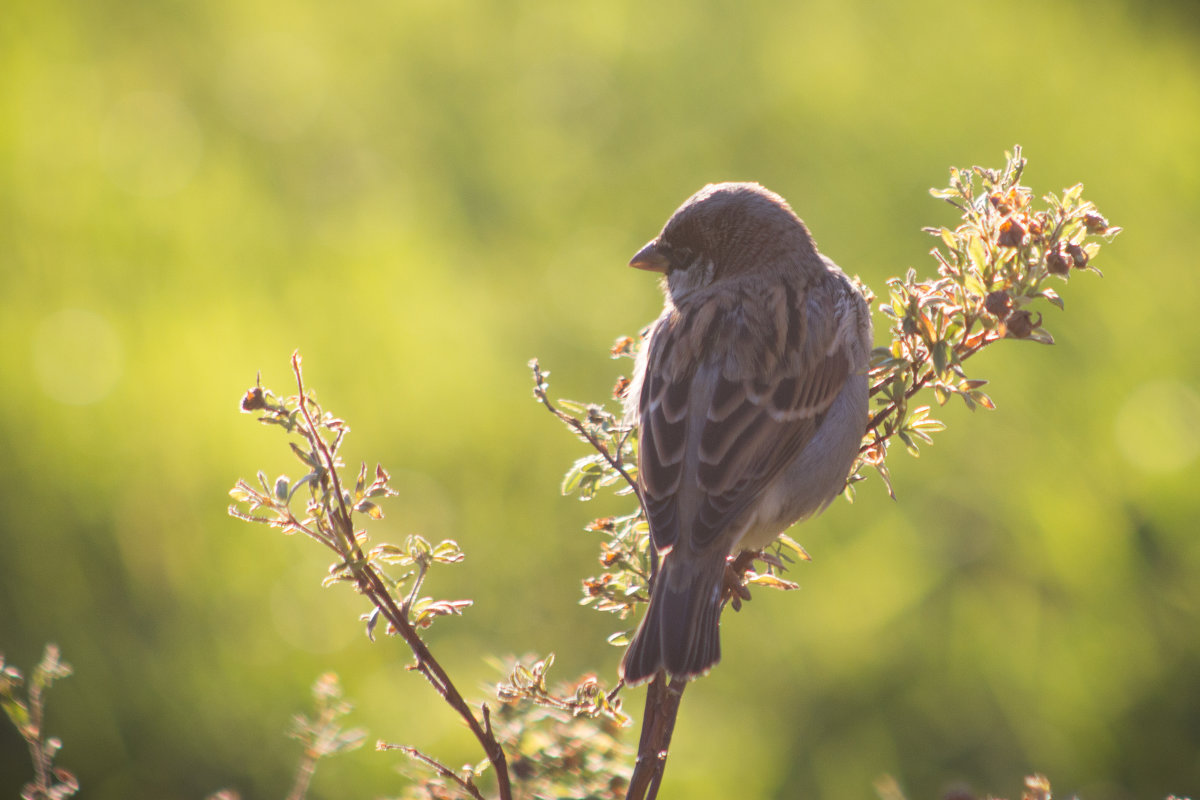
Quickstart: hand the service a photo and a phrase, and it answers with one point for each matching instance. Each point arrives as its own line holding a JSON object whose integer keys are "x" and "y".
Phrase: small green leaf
{"x": 418, "y": 547}
{"x": 306, "y": 480}
{"x": 620, "y": 639}
{"x": 795, "y": 547}
{"x": 770, "y": 581}
{"x": 372, "y": 621}
{"x": 583, "y": 475}
{"x": 370, "y": 509}
{"x": 978, "y": 255}
{"x": 17, "y": 712}
{"x": 949, "y": 238}
{"x": 448, "y": 552}
{"x": 974, "y": 284}
{"x": 983, "y": 399}
{"x": 1041, "y": 336}
{"x": 361, "y": 483}
{"x": 573, "y": 406}
{"x": 309, "y": 459}
{"x": 941, "y": 357}
{"x": 921, "y": 420}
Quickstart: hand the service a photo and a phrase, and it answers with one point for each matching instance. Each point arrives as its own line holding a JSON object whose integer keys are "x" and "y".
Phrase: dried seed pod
{"x": 1095, "y": 223}
{"x": 254, "y": 400}
{"x": 1012, "y": 233}
{"x": 999, "y": 202}
{"x": 1039, "y": 224}
{"x": 998, "y": 303}
{"x": 1058, "y": 260}
{"x": 1021, "y": 323}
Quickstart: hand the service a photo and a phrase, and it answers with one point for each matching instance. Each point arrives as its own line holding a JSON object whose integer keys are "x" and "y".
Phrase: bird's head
{"x": 723, "y": 230}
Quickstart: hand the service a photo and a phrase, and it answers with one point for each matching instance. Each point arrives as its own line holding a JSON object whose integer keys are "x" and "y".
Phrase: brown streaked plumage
{"x": 751, "y": 400}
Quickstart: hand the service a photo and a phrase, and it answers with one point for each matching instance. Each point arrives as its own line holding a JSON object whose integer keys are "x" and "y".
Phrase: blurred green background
{"x": 421, "y": 196}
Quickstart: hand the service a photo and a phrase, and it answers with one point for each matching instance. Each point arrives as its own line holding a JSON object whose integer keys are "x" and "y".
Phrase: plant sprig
{"x": 323, "y": 735}
{"x": 328, "y": 518}
{"x": 996, "y": 263}
{"x": 27, "y": 712}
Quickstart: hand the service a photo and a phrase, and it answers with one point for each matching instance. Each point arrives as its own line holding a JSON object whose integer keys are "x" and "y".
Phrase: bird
{"x": 750, "y": 398}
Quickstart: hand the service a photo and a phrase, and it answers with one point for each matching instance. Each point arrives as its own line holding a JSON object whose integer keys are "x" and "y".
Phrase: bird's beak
{"x": 649, "y": 258}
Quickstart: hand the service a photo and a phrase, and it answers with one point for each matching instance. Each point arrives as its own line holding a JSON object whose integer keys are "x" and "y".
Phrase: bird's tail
{"x": 681, "y": 630}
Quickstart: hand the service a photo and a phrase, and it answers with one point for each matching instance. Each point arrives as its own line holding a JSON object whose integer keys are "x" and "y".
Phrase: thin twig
{"x": 467, "y": 785}
{"x": 917, "y": 386}
{"x": 433, "y": 671}
{"x": 37, "y": 748}
{"x": 577, "y": 426}
{"x": 326, "y": 458}
{"x": 304, "y": 775}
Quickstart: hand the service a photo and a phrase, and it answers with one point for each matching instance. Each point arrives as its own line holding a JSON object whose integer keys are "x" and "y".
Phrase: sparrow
{"x": 750, "y": 397}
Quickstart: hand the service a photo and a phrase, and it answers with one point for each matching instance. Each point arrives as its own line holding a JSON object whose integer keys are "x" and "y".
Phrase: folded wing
{"x": 726, "y": 405}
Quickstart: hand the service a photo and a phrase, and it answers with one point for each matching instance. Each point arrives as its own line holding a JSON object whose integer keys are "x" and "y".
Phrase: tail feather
{"x": 681, "y": 630}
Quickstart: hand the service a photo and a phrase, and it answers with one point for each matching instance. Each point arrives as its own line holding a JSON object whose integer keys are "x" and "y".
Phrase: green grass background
{"x": 421, "y": 195}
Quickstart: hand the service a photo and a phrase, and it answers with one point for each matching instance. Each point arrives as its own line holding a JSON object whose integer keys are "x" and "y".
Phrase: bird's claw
{"x": 734, "y": 587}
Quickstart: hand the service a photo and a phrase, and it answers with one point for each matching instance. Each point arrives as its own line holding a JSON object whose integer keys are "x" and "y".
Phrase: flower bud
{"x": 624, "y": 346}
{"x": 1095, "y": 223}
{"x": 254, "y": 400}
{"x": 1021, "y": 323}
{"x": 1012, "y": 233}
{"x": 1058, "y": 260}
{"x": 1039, "y": 224}
{"x": 1078, "y": 255}
{"x": 998, "y": 303}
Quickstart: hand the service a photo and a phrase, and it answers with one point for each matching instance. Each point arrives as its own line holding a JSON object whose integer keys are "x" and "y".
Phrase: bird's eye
{"x": 682, "y": 258}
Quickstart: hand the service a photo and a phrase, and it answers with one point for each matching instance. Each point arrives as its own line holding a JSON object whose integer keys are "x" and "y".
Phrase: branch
{"x": 370, "y": 583}
{"x": 996, "y": 262}
{"x": 304, "y": 776}
{"x": 918, "y": 385}
{"x": 437, "y": 676}
{"x": 331, "y": 516}
{"x": 658, "y": 724}
{"x": 466, "y": 784}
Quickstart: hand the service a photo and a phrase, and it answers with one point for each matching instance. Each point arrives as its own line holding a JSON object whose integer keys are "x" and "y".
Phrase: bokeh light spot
{"x": 1156, "y": 428}
{"x": 76, "y": 356}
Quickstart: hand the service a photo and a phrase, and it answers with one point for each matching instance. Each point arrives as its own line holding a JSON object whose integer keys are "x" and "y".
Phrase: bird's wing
{"x": 726, "y": 404}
